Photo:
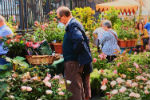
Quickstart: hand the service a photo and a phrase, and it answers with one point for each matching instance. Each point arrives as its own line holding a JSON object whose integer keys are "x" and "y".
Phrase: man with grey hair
{"x": 4, "y": 31}
{"x": 109, "y": 41}
{"x": 77, "y": 56}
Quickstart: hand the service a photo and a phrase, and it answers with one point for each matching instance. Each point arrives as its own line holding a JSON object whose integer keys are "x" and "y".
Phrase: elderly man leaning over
{"x": 4, "y": 31}
{"x": 77, "y": 56}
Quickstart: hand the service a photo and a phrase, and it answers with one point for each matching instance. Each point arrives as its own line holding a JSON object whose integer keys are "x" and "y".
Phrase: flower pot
{"x": 122, "y": 43}
{"x": 129, "y": 43}
{"x": 133, "y": 43}
{"x": 58, "y": 47}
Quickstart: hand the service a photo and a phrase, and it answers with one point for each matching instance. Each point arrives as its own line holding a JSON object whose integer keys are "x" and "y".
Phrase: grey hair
{"x": 63, "y": 11}
{"x": 2, "y": 19}
{"x": 107, "y": 23}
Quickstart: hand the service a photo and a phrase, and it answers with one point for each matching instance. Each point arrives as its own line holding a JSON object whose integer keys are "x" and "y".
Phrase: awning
{"x": 125, "y": 6}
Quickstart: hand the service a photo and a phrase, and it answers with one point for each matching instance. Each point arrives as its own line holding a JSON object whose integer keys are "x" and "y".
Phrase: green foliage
{"x": 86, "y": 17}
{"x": 18, "y": 63}
{"x": 112, "y": 15}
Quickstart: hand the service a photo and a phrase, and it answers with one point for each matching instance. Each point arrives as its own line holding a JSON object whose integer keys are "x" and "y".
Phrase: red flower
{"x": 29, "y": 44}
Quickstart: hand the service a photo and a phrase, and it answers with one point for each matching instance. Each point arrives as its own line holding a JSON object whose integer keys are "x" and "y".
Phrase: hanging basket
{"x": 40, "y": 59}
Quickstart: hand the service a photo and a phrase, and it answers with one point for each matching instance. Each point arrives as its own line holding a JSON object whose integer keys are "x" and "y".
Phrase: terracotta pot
{"x": 129, "y": 43}
{"x": 122, "y": 43}
{"x": 58, "y": 47}
{"x": 133, "y": 42}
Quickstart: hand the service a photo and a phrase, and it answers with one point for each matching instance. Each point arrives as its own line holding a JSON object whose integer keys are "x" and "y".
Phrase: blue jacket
{"x": 75, "y": 44}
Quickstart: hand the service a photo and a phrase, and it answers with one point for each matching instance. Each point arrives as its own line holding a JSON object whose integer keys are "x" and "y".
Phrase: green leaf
{"x": 3, "y": 67}
{"x": 19, "y": 58}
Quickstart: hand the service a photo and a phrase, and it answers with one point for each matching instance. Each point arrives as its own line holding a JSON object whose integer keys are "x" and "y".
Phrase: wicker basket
{"x": 40, "y": 59}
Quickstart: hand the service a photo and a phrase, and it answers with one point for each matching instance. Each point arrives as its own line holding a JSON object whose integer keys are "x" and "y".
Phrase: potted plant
{"x": 50, "y": 32}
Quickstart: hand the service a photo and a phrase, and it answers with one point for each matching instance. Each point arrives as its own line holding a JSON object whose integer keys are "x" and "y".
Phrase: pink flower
{"x": 122, "y": 90}
{"x": 61, "y": 82}
{"x": 119, "y": 80}
{"x": 101, "y": 71}
{"x": 61, "y": 93}
{"x": 56, "y": 77}
{"x": 14, "y": 75}
{"x": 114, "y": 92}
{"x": 55, "y": 19}
{"x": 123, "y": 76}
{"x": 113, "y": 83}
{"x": 132, "y": 94}
{"x": 43, "y": 27}
{"x": 59, "y": 89}
{"x": 119, "y": 63}
{"x": 129, "y": 83}
{"x": 94, "y": 60}
{"x": 49, "y": 91}
{"x": 134, "y": 84}
{"x": 51, "y": 12}
{"x": 136, "y": 65}
{"x": 104, "y": 81}
{"x": 36, "y": 45}
{"x": 135, "y": 53}
{"x": 36, "y": 23}
{"x": 102, "y": 56}
{"x": 115, "y": 71}
{"x": 103, "y": 87}
{"x": 23, "y": 88}
{"x": 137, "y": 95}
{"x": 48, "y": 84}
{"x": 146, "y": 92}
{"x": 29, "y": 89}
{"x": 14, "y": 18}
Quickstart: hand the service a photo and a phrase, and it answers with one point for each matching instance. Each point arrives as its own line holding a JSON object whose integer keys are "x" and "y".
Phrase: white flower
{"x": 114, "y": 92}
{"x": 132, "y": 94}
{"x": 122, "y": 90}
{"x": 29, "y": 89}
{"x": 48, "y": 84}
{"x": 39, "y": 99}
{"x": 113, "y": 83}
{"x": 23, "y": 88}
{"x": 103, "y": 87}
{"x": 68, "y": 82}
{"x": 137, "y": 95}
{"x": 49, "y": 91}
{"x": 61, "y": 93}
{"x": 11, "y": 96}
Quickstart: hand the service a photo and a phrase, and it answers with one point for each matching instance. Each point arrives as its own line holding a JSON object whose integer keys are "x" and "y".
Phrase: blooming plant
{"x": 49, "y": 31}
{"x": 15, "y": 46}
{"x": 99, "y": 61}
{"x": 35, "y": 85}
